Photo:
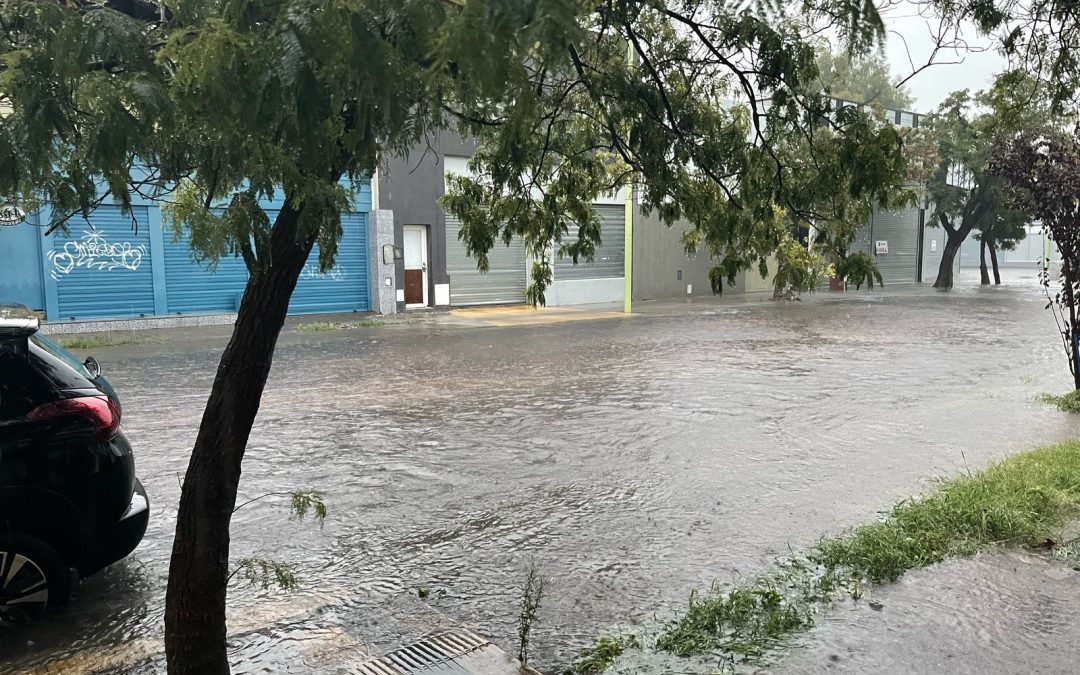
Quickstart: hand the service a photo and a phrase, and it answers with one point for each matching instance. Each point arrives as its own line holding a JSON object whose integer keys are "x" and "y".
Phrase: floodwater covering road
{"x": 632, "y": 460}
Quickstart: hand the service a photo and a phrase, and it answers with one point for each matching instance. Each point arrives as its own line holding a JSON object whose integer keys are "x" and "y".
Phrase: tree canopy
{"x": 224, "y": 102}
{"x": 957, "y": 139}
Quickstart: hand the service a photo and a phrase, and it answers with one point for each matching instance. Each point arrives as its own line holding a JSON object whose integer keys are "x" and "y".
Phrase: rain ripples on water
{"x": 631, "y": 460}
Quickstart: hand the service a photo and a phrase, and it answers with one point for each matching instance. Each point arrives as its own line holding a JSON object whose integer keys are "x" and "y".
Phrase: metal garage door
{"x": 345, "y": 287}
{"x": 102, "y": 266}
{"x": 900, "y": 229}
{"x": 608, "y": 261}
{"x": 192, "y": 287}
{"x": 505, "y": 280}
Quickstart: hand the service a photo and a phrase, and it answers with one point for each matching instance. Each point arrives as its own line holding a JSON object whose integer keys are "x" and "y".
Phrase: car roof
{"x": 17, "y": 321}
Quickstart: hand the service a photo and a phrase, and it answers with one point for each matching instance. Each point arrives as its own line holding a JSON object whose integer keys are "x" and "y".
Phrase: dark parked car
{"x": 69, "y": 498}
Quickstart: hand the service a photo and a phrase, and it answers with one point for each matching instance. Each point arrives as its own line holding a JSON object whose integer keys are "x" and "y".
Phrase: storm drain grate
{"x": 454, "y": 652}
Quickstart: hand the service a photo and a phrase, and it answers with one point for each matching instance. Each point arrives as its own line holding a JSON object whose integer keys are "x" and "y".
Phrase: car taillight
{"x": 98, "y": 411}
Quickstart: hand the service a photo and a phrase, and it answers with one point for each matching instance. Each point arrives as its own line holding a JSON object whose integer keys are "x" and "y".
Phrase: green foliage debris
{"x": 598, "y": 657}
{"x": 266, "y": 573}
{"x": 1066, "y": 402}
{"x": 304, "y": 502}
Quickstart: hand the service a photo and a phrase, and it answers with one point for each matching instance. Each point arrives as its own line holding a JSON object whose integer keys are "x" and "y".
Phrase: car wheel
{"x": 33, "y": 577}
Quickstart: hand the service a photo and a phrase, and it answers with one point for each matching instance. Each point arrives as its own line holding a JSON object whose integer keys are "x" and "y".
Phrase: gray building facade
{"x": 431, "y": 267}
{"x": 409, "y": 188}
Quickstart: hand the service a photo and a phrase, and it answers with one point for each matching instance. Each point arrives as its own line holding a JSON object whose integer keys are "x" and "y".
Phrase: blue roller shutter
{"x": 192, "y": 287}
{"x": 345, "y": 287}
{"x": 102, "y": 266}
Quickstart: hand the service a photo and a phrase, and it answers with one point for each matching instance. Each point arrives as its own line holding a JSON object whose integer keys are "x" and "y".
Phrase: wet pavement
{"x": 988, "y": 615}
{"x": 632, "y": 459}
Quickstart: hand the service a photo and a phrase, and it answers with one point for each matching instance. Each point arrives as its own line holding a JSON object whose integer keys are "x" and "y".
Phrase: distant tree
{"x": 1002, "y": 233}
{"x": 1042, "y": 170}
{"x": 959, "y": 137}
{"x": 862, "y": 79}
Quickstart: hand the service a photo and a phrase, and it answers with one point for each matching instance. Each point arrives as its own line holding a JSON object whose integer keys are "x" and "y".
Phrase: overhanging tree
{"x": 1042, "y": 170}
{"x": 216, "y": 105}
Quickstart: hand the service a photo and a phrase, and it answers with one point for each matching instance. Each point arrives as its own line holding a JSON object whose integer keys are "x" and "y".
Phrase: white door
{"x": 416, "y": 267}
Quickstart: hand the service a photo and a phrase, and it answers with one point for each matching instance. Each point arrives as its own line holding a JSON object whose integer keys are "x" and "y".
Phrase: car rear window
{"x": 66, "y": 357}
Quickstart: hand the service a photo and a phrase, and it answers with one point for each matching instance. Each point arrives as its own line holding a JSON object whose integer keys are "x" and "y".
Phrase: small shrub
{"x": 531, "y": 597}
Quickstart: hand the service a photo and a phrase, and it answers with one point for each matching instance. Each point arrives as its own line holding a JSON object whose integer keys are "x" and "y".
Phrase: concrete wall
{"x": 411, "y": 187}
{"x": 751, "y": 280}
{"x": 585, "y": 291}
{"x": 1028, "y": 253}
{"x": 662, "y": 269}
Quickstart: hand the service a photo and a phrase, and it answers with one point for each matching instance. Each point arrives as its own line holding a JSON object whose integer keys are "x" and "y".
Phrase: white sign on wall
{"x": 933, "y": 245}
{"x": 11, "y": 215}
{"x": 881, "y": 248}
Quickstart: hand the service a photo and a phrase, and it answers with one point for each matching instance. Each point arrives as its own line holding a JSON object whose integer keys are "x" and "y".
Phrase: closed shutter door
{"x": 901, "y": 230}
{"x": 505, "y": 281}
{"x": 343, "y": 288}
{"x": 102, "y": 266}
{"x": 608, "y": 260}
{"x": 191, "y": 287}
{"x": 195, "y": 287}
{"x": 933, "y": 248}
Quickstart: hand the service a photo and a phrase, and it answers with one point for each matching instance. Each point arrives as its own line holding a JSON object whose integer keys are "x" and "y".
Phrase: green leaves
{"x": 228, "y": 102}
{"x": 962, "y": 134}
{"x": 266, "y": 573}
{"x": 304, "y": 502}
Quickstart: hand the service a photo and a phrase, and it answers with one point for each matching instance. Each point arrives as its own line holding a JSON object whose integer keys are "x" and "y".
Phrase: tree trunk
{"x": 984, "y": 275}
{"x": 948, "y": 256}
{"x": 994, "y": 262}
{"x": 1067, "y": 273}
{"x": 195, "y": 629}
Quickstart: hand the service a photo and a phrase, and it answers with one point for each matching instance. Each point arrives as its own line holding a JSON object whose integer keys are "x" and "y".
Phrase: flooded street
{"x": 632, "y": 460}
{"x": 987, "y": 615}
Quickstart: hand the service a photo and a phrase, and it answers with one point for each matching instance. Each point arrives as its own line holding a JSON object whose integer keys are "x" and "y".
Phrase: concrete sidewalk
{"x": 502, "y": 316}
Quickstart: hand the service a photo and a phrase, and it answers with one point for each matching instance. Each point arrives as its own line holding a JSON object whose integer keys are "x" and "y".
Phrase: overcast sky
{"x": 932, "y": 85}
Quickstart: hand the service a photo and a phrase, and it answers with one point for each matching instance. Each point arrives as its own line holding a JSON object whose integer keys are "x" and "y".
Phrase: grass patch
{"x": 1023, "y": 500}
{"x": 318, "y": 327}
{"x": 99, "y": 341}
{"x": 1066, "y": 402}
{"x": 321, "y": 326}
